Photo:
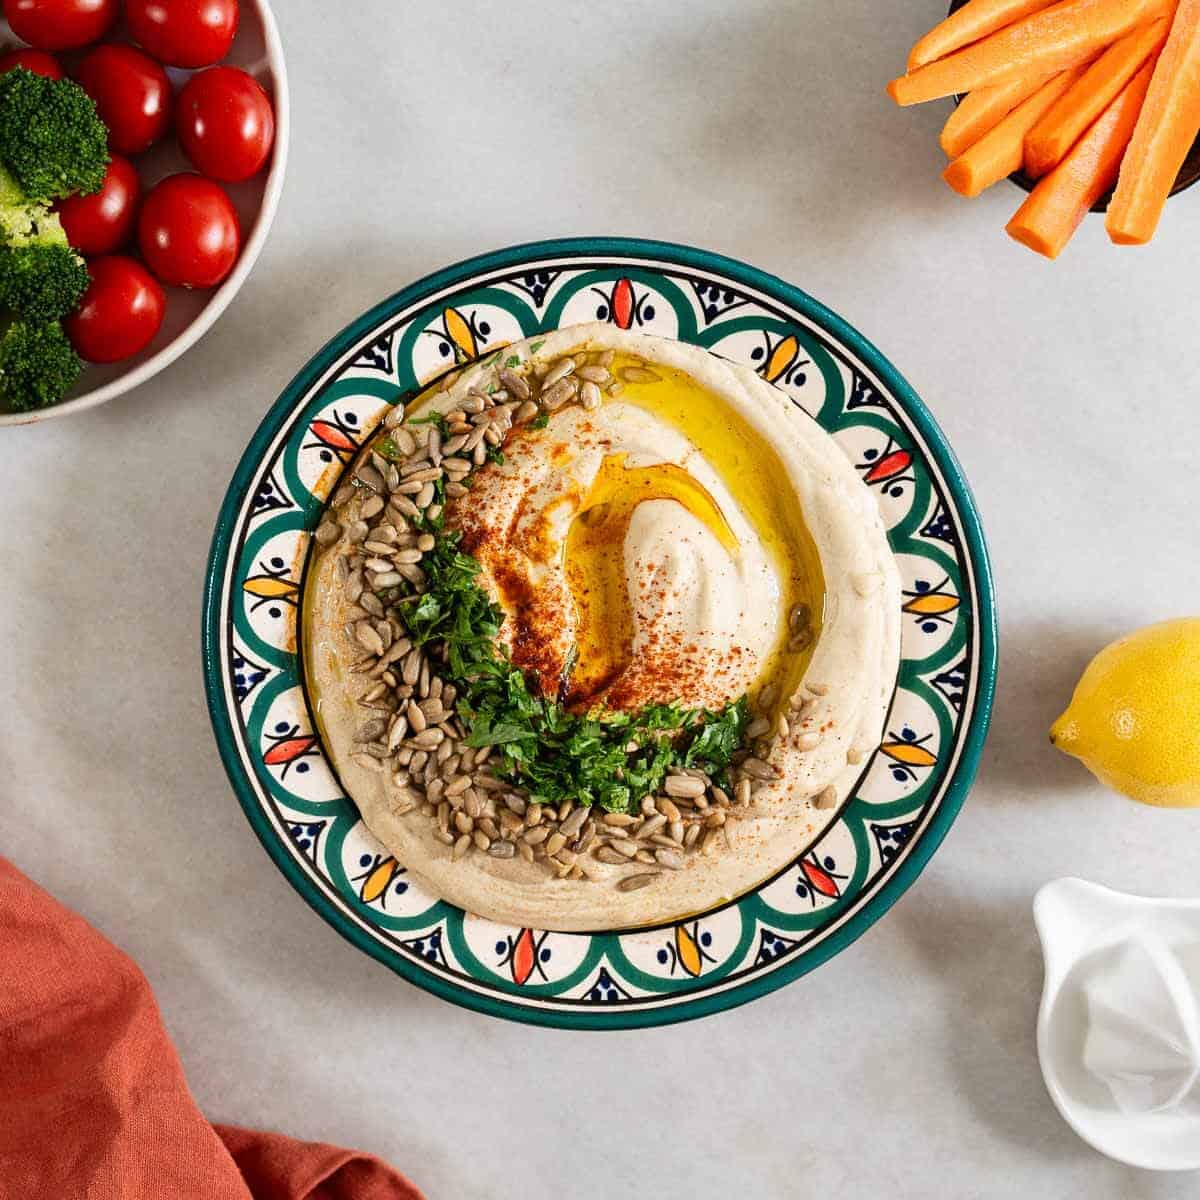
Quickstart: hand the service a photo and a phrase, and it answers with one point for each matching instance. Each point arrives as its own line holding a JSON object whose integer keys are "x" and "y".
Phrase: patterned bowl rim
{"x": 964, "y": 771}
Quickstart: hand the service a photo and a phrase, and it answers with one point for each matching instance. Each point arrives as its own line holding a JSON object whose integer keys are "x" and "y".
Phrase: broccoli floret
{"x": 51, "y": 137}
{"x": 19, "y": 216}
{"x": 38, "y": 366}
{"x": 41, "y": 280}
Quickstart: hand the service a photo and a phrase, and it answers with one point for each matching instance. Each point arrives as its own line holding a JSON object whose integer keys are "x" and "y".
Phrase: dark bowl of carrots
{"x": 1087, "y": 104}
{"x": 1188, "y": 173}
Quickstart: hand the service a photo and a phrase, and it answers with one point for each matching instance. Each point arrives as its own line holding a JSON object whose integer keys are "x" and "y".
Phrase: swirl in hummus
{"x": 659, "y": 531}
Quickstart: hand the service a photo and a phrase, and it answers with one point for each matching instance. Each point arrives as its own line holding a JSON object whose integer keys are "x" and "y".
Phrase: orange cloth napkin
{"x": 93, "y": 1102}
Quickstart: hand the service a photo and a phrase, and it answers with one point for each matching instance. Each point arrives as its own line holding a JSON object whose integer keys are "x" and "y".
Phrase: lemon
{"x": 1134, "y": 720}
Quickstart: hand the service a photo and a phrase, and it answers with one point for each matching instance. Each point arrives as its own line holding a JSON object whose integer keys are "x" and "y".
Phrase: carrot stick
{"x": 975, "y": 20}
{"x": 1165, "y": 132}
{"x": 1054, "y": 39}
{"x": 1054, "y": 209}
{"x": 998, "y": 153}
{"x": 1069, "y": 118}
{"x": 984, "y": 109}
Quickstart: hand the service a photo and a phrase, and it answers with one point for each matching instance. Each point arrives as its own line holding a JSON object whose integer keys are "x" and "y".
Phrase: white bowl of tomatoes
{"x": 194, "y": 97}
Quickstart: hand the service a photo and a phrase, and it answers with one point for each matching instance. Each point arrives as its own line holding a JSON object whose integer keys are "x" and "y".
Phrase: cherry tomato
{"x": 103, "y": 222}
{"x": 188, "y": 231}
{"x": 132, "y": 95}
{"x": 60, "y": 24}
{"x": 37, "y": 61}
{"x": 120, "y": 312}
{"x": 225, "y": 123}
{"x": 184, "y": 33}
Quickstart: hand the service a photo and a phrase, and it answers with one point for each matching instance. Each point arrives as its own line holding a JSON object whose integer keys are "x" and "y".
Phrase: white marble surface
{"x": 427, "y": 132}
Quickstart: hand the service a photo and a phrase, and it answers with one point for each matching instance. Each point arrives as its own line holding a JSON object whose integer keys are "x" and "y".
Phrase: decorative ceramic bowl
{"x": 908, "y": 793}
{"x": 1188, "y": 173}
{"x": 191, "y": 313}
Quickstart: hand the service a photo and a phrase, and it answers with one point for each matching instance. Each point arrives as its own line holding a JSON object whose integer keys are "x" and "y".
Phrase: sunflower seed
{"x": 593, "y": 374}
{"x": 463, "y": 823}
{"x": 671, "y": 859}
{"x": 328, "y": 532}
{"x": 555, "y": 397}
{"x": 369, "y": 477}
{"x": 534, "y": 837}
{"x": 555, "y": 843}
{"x": 514, "y": 384}
{"x": 606, "y": 854}
{"x": 631, "y": 883}
{"x": 412, "y": 667}
{"x": 458, "y": 785}
{"x": 682, "y": 785}
{"x": 574, "y": 822}
{"x": 367, "y": 762}
{"x": 618, "y": 819}
{"x": 634, "y": 374}
{"x": 462, "y": 845}
{"x": 368, "y": 637}
{"x": 826, "y": 798}
{"x": 808, "y": 741}
{"x": 652, "y": 826}
{"x": 502, "y": 849}
{"x": 755, "y": 768}
{"x": 370, "y": 730}
{"x": 560, "y": 370}
{"x": 589, "y": 396}
{"x": 744, "y": 789}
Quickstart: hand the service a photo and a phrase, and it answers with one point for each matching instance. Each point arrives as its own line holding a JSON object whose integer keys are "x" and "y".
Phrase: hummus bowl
{"x": 715, "y": 543}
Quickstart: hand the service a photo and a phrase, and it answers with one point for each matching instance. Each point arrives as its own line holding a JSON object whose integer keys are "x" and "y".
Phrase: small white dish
{"x": 1119, "y": 1025}
{"x": 257, "y": 49}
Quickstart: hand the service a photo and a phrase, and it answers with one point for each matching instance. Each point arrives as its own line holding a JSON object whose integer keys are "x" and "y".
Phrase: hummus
{"x": 690, "y": 537}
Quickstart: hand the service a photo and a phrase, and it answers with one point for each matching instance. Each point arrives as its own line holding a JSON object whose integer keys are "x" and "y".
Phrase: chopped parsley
{"x": 540, "y": 421}
{"x": 433, "y": 418}
{"x": 539, "y": 745}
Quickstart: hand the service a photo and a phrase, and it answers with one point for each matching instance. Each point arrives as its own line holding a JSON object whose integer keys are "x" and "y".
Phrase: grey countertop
{"x": 424, "y": 133}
